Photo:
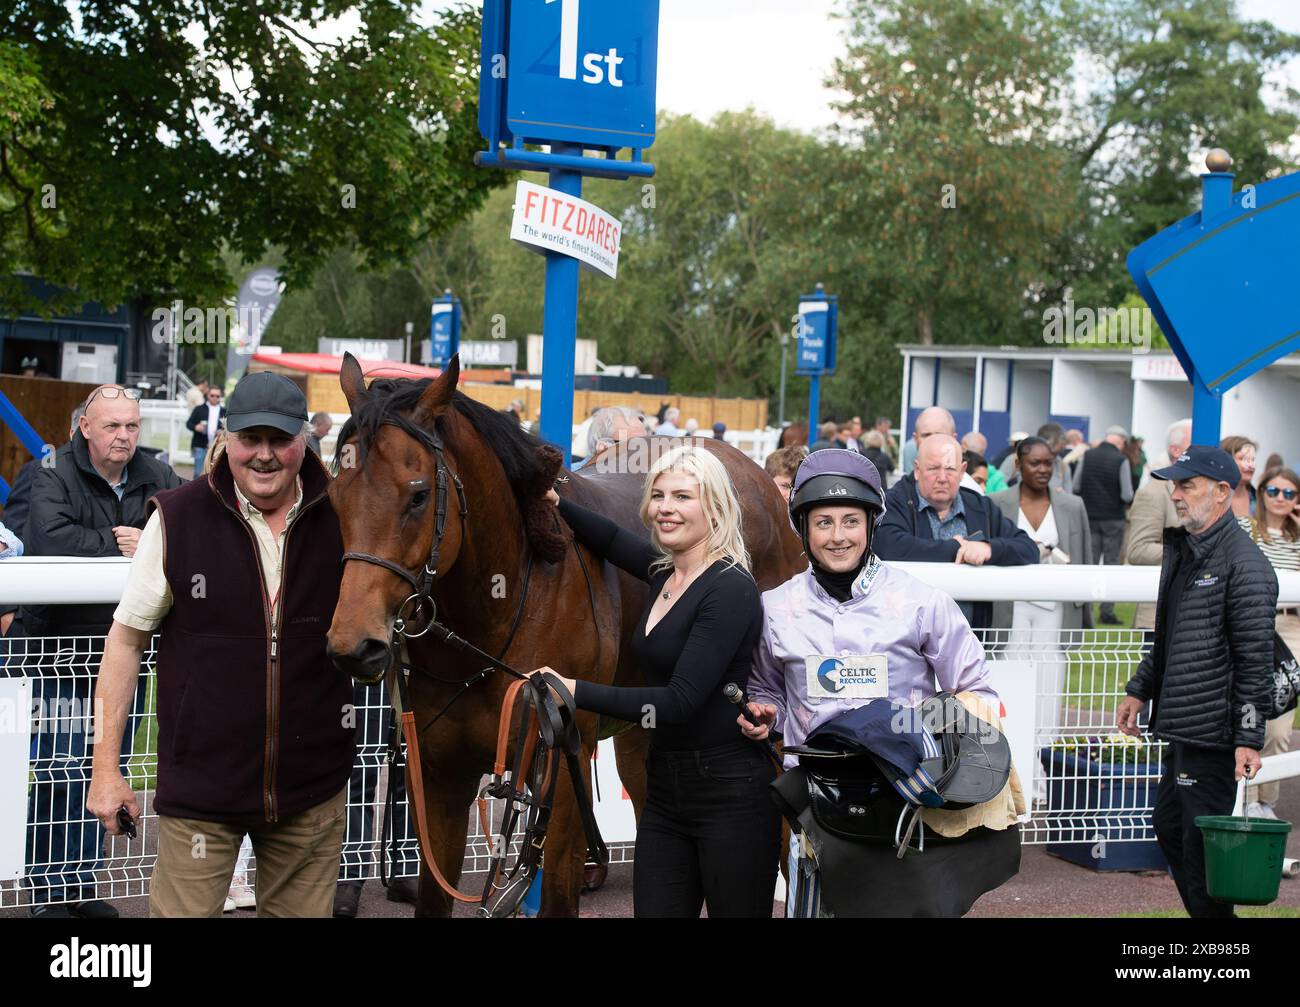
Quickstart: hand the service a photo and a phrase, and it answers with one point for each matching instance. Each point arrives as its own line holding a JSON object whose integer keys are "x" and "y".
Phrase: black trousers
{"x": 1107, "y": 540}
{"x": 709, "y": 834}
{"x": 1196, "y": 781}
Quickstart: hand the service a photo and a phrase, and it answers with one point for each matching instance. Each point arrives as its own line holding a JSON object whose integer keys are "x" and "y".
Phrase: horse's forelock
{"x": 530, "y": 466}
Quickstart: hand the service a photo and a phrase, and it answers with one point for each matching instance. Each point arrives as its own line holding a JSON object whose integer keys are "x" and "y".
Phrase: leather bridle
{"x": 549, "y": 716}
{"x": 421, "y": 585}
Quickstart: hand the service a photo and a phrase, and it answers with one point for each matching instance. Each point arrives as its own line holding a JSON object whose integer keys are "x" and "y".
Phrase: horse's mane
{"x": 530, "y": 465}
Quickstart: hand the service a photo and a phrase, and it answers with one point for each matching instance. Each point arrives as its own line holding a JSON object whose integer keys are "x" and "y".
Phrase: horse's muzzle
{"x": 368, "y": 662}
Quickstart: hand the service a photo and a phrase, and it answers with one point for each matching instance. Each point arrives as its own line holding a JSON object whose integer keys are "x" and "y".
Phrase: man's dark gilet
{"x": 1100, "y": 489}
{"x": 235, "y": 741}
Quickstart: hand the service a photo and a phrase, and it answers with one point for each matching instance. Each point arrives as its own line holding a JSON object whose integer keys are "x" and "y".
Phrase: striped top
{"x": 1283, "y": 554}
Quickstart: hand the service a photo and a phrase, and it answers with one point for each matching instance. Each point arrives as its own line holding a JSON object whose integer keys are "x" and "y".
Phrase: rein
{"x": 528, "y": 787}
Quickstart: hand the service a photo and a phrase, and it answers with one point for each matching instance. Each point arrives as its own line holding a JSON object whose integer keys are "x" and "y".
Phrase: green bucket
{"x": 1243, "y": 858}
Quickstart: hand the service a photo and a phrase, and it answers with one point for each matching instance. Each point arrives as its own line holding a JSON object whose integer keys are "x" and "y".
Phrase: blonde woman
{"x": 709, "y": 835}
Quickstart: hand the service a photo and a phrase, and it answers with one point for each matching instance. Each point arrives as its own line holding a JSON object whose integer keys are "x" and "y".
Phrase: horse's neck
{"x": 482, "y": 591}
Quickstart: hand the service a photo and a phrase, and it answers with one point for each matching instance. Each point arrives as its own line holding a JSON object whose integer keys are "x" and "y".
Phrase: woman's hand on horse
{"x": 566, "y": 682}
{"x": 552, "y": 497}
{"x": 762, "y": 714}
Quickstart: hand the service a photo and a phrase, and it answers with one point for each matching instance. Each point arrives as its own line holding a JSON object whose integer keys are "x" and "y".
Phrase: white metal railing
{"x": 73, "y": 580}
{"x": 1083, "y": 785}
{"x": 66, "y": 849}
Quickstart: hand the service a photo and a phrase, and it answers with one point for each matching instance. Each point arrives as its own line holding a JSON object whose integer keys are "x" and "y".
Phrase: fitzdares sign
{"x": 549, "y": 221}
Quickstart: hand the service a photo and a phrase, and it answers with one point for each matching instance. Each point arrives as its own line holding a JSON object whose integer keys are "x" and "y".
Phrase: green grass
{"x": 142, "y": 767}
{"x": 1097, "y": 668}
{"x": 1093, "y": 672}
{"x": 1256, "y": 912}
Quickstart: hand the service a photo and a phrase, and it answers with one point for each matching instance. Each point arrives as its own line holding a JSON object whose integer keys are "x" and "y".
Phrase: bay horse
{"x": 510, "y": 579}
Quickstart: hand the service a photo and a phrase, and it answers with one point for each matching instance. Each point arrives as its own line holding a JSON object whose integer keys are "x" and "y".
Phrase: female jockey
{"x": 847, "y": 611}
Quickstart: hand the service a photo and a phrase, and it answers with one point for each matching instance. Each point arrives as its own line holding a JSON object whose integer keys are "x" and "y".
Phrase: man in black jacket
{"x": 204, "y": 423}
{"x": 90, "y": 502}
{"x": 929, "y": 518}
{"x": 1103, "y": 479}
{"x": 1208, "y": 672}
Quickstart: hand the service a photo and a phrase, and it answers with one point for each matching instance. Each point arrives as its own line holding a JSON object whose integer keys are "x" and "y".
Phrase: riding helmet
{"x": 835, "y": 477}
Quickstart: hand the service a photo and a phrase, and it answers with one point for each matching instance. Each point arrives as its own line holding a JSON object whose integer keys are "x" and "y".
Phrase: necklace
{"x": 668, "y": 595}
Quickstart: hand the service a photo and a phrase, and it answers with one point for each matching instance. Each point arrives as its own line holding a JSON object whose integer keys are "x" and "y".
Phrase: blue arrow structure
{"x": 1222, "y": 285}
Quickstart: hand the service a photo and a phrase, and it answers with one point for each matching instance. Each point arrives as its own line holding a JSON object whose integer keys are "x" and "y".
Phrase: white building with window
{"x": 1000, "y": 389}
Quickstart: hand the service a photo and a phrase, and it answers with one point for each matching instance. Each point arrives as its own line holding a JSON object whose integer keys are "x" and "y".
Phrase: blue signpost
{"x": 819, "y": 316}
{"x": 579, "y": 76}
{"x": 444, "y": 329}
{"x": 1221, "y": 284}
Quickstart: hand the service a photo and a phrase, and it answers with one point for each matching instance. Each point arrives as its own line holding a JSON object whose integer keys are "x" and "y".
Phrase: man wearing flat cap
{"x": 238, "y": 574}
{"x": 1208, "y": 672}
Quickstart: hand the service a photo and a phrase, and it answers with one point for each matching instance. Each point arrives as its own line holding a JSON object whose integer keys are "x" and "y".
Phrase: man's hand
{"x": 201, "y": 427}
{"x": 108, "y": 792}
{"x": 762, "y": 714}
{"x": 974, "y": 553}
{"x": 1126, "y": 717}
{"x": 1247, "y": 763}
{"x": 127, "y": 539}
{"x": 552, "y": 497}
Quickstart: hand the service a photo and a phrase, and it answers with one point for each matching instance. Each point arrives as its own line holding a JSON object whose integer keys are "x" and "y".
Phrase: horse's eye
{"x": 418, "y": 499}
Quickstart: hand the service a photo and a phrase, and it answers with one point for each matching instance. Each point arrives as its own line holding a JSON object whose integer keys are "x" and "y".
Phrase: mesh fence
{"x": 1086, "y": 785}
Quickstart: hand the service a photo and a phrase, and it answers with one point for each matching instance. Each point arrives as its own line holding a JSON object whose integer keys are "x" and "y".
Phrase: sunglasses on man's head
{"x": 1273, "y": 491}
{"x": 112, "y": 392}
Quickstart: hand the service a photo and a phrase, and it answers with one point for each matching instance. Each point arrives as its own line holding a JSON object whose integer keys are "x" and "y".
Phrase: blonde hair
{"x": 215, "y": 451}
{"x": 717, "y": 500}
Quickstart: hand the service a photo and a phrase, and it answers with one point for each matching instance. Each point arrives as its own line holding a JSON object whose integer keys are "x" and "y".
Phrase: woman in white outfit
{"x": 1058, "y": 522}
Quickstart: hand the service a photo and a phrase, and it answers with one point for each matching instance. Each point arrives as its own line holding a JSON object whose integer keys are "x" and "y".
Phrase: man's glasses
{"x": 1273, "y": 491}
{"x": 112, "y": 392}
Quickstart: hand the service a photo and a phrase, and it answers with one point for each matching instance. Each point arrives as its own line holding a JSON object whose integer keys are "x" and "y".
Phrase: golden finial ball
{"x": 1218, "y": 160}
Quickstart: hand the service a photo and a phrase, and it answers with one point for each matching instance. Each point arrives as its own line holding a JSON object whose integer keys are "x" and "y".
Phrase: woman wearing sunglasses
{"x": 1276, "y": 530}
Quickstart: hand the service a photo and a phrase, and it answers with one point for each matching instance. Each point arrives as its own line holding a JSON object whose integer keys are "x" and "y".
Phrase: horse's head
{"x": 386, "y": 495}
{"x": 411, "y": 458}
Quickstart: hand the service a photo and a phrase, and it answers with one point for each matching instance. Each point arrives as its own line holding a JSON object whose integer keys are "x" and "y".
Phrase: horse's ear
{"x": 438, "y": 395}
{"x": 354, "y": 384}
{"x": 547, "y": 533}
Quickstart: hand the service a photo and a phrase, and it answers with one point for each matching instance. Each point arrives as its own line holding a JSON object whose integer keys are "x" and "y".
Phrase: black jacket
{"x": 73, "y": 513}
{"x": 200, "y": 415}
{"x": 19, "y": 505}
{"x": 904, "y": 534}
{"x": 1210, "y": 676}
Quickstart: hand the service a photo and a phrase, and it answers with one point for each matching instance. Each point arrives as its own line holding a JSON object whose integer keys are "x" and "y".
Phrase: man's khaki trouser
{"x": 297, "y": 863}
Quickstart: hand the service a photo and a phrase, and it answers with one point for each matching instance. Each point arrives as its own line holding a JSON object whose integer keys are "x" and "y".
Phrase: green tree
{"x": 1165, "y": 82}
{"x": 950, "y": 183}
{"x": 159, "y": 151}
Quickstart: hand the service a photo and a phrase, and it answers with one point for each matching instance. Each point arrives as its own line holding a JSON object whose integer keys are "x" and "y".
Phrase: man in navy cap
{"x": 1208, "y": 672}
{"x": 238, "y": 574}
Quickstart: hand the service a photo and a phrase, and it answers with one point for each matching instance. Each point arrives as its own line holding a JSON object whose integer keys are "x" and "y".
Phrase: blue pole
{"x": 1207, "y": 411}
{"x": 560, "y": 325}
{"x": 814, "y": 404}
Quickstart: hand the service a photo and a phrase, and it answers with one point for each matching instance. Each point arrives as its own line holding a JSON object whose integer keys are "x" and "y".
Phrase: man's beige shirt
{"x": 148, "y": 597}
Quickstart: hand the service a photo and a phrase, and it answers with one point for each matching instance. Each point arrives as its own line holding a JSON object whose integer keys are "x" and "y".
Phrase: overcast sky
{"x": 775, "y": 55}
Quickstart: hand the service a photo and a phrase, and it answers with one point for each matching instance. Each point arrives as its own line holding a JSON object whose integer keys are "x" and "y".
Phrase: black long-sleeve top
{"x": 702, "y": 643}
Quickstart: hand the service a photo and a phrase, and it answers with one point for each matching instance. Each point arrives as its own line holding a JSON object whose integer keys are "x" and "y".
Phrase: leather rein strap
{"x": 529, "y": 787}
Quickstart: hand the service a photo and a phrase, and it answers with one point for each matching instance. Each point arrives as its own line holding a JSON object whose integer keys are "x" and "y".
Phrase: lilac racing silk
{"x": 895, "y": 638}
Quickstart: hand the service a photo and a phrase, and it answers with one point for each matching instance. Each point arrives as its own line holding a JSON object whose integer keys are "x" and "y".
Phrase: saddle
{"x": 849, "y": 790}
